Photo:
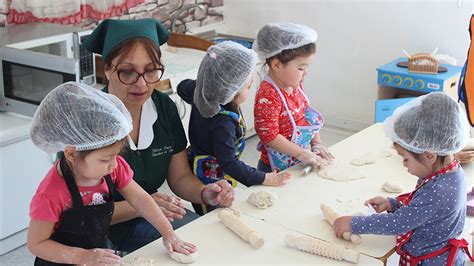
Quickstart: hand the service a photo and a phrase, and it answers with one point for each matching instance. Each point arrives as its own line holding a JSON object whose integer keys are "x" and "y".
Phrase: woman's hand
{"x": 342, "y": 225}
{"x": 319, "y": 149}
{"x": 172, "y": 206}
{"x": 99, "y": 256}
{"x": 172, "y": 244}
{"x": 276, "y": 179}
{"x": 380, "y": 204}
{"x": 218, "y": 193}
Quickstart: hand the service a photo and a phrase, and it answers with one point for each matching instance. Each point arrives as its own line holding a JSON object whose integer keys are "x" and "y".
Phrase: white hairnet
{"x": 77, "y": 115}
{"x": 223, "y": 72}
{"x": 430, "y": 123}
{"x": 273, "y": 38}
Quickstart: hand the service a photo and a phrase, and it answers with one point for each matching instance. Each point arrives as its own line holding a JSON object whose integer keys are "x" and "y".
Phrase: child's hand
{"x": 307, "y": 157}
{"x": 380, "y": 204}
{"x": 171, "y": 206}
{"x": 276, "y": 179}
{"x": 99, "y": 256}
{"x": 342, "y": 225}
{"x": 173, "y": 243}
{"x": 321, "y": 150}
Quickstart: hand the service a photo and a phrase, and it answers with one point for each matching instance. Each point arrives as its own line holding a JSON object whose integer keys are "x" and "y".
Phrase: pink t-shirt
{"x": 52, "y": 197}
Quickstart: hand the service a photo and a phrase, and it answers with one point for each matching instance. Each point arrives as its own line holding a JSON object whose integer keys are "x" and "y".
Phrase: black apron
{"x": 83, "y": 226}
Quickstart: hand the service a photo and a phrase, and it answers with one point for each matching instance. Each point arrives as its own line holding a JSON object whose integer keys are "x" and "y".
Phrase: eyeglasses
{"x": 129, "y": 77}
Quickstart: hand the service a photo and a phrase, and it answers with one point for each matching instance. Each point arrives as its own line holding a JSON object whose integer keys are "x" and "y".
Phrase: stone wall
{"x": 3, "y": 11}
{"x": 210, "y": 11}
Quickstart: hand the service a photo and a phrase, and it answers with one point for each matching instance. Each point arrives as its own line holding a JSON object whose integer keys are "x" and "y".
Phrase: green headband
{"x": 111, "y": 33}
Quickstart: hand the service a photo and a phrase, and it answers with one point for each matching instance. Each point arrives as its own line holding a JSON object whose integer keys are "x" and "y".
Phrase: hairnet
{"x": 77, "y": 115}
{"x": 273, "y": 38}
{"x": 224, "y": 70}
{"x": 430, "y": 123}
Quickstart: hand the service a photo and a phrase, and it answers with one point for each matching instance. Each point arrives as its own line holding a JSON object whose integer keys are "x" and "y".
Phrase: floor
{"x": 330, "y": 136}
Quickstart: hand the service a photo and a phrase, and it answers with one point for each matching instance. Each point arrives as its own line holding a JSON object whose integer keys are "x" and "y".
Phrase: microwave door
{"x": 26, "y": 77}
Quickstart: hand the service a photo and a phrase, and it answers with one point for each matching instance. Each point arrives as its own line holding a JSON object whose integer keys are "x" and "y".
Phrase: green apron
{"x": 150, "y": 166}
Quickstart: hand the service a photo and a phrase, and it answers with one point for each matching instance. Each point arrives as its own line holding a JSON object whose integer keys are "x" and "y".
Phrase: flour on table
{"x": 183, "y": 258}
{"x": 262, "y": 199}
{"x": 338, "y": 171}
{"x": 370, "y": 158}
{"x": 392, "y": 187}
{"x": 138, "y": 261}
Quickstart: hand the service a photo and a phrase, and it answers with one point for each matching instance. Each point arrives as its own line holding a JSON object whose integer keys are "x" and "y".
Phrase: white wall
{"x": 355, "y": 37}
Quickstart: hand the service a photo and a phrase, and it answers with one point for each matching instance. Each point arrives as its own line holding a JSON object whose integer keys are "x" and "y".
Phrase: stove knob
{"x": 408, "y": 82}
{"x": 386, "y": 79}
{"x": 397, "y": 80}
{"x": 419, "y": 84}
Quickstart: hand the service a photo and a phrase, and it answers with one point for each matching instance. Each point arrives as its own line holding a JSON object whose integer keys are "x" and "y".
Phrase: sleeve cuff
{"x": 394, "y": 203}
{"x": 260, "y": 177}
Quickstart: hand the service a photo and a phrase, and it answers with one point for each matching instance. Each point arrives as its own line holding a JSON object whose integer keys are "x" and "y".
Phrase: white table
{"x": 218, "y": 245}
{"x": 297, "y": 208}
{"x": 298, "y": 202}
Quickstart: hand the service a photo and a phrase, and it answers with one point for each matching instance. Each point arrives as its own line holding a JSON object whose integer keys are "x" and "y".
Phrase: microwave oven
{"x": 35, "y": 58}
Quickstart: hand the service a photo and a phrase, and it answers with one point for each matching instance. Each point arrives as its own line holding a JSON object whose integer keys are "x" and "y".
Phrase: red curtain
{"x": 66, "y": 11}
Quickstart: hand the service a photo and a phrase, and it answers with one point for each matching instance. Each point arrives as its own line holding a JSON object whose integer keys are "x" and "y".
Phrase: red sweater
{"x": 270, "y": 114}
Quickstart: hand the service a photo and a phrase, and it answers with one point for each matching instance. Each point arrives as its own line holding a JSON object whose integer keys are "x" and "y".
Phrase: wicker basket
{"x": 423, "y": 63}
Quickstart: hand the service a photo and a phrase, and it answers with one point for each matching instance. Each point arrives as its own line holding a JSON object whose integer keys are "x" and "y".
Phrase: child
{"x": 426, "y": 132}
{"x": 216, "y": 126}
{"x": 72, "y": 208}
{"x": 284, "y": 122}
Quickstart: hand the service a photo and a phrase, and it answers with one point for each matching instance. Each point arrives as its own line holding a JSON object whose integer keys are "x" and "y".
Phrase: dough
{"x": 391, "y": 187}
{"x": 182, "y": 258}
{"x": 139, "y": 261}
{"x": 340, "y": 172}
{"x": 240, "y": 228}
{"x": 331, "y": 215}
{"x": 370, "y": 158}
{"x": 262, "y": 199}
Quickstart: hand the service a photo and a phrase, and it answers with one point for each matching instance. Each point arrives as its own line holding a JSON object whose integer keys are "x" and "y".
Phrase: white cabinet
{"x": 22, "y": 167}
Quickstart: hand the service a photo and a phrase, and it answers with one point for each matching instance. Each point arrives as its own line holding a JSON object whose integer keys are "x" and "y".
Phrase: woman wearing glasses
{"x": 157, "y": 143}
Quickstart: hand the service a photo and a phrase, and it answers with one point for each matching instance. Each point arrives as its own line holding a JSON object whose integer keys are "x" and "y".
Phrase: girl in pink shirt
{"x": 72, "y": 208}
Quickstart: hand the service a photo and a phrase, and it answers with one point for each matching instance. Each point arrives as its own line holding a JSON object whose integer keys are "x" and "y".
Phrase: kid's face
{"x": 244, "y": 93}
{"x": 293, "y": 73}
{"x": 414, "y": 164}
{"x": 99, "y": 163}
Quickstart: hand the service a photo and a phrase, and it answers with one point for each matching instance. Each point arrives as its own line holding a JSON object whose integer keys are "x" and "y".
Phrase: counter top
{"x": 220, "y": 27}
{"x": 180, "y": 64}
{"x": 31, "y": 31}
{"x": 13, "y": 128}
